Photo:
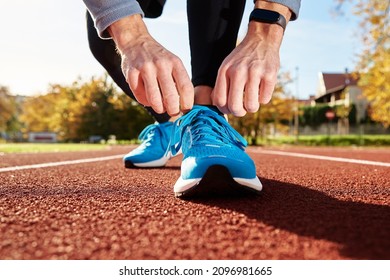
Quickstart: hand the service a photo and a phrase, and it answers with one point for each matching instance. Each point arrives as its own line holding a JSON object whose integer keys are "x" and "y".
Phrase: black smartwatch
{"x": 268, "y": 16}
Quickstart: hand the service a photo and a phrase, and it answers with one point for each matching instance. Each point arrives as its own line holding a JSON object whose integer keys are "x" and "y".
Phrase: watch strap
{"x": 268, "y": 16}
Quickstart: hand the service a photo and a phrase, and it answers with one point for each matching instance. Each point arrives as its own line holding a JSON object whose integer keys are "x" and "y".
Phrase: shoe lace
{"x": 207, "y": 127}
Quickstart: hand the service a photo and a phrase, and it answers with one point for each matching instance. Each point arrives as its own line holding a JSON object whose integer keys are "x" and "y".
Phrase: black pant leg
{"x": 104, "y": 51}
{"x": 213, "y": 29}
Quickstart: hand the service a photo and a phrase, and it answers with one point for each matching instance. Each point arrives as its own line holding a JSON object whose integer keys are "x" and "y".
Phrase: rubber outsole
{"x": 158, "y": 163}
{"x": 217, "y": 182}
{"x": 130, "y": 165}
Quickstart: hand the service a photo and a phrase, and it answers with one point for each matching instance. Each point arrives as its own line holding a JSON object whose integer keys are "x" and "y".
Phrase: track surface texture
{"x": 309, "y": 209}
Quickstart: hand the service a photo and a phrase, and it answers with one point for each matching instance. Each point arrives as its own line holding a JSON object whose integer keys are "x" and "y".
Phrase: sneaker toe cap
{"x": 193, "y": 167}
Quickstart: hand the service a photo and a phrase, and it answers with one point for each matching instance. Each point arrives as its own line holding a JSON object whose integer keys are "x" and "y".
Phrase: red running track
{"x": 310, "y": 208}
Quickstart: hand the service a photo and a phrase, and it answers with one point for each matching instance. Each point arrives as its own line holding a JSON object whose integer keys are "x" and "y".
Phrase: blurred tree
{"x": 10, "y": 109}
{"x": 83, "y": 109}
{"x": 342, "y": 112}
{"x": 7, "y": 108}
{"x": 106, "y": 111}
{"x": 131, "y": 118}
{"x": 374, "y": 64}
{"x": 38, "y": 113}
{"x": 314, "y": 116}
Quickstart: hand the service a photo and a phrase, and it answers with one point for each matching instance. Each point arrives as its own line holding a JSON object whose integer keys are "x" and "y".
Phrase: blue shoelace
{"x": 207, "y": 127}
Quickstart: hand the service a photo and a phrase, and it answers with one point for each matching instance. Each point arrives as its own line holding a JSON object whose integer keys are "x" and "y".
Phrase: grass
{"x": 305, "y": 140}
{"x": 55, "y": 147}
{"x": 333, "y": 140}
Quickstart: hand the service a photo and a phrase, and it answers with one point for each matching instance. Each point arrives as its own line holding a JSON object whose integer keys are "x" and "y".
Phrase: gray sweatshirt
{"x": 106, "y": 12}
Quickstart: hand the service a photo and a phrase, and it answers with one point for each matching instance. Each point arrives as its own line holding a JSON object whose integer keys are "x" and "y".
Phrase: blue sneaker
{"x": 213, "y": 154}
{"x": 154, "y": 149}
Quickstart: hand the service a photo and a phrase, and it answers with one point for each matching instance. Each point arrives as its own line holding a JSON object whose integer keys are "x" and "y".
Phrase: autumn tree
{"x": 374, "y": 62}
{"x": 38, "y": 112}
{"x": 6, "y": 108}
{"x": 83, "y": 109}
{"x": 9, "y": 109}
{"x": 106, "y": 111}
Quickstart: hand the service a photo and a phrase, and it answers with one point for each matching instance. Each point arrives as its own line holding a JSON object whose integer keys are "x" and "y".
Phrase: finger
{"x": 137, "y": 87}
{"x": 169, "y": 93}
{"x": 152, "y": 90}
{"x": 236, "y": 93}
{"x": 267, "y": 86}
{"x": 219, "y": 94}
{"x": 251, "y": 96}
{"x": 184, "y": 87}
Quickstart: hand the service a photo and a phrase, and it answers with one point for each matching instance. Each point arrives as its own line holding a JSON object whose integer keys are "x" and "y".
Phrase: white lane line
{"x": 339, "y": 159}
{"x": 59, "y": 163}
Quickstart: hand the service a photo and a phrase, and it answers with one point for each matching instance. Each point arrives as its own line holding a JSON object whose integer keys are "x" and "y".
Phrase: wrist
{"x": 267, "y": 16}
{"x": 270, "y": 33}
{"x": 126, "y": 30}
{"x": 276, "y": 7}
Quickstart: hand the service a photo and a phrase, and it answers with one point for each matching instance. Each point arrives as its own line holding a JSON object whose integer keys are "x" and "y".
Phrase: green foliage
{"x": 44, "y": 148}
{"x": 9, "y": 111}
{"x": 352, "y": 115}
{"x": 333, "y": 140}
{"x": 6, "y": 111}
{"x": 314, "y": 115}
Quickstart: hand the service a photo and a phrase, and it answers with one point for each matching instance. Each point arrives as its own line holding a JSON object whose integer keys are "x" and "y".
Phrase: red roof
{"x": 338, "y": 81}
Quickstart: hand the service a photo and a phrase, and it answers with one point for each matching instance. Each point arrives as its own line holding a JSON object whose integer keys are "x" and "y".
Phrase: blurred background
{"x": 333, "y": 87}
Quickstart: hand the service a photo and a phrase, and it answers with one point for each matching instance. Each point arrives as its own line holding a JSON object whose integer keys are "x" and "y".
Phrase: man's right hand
{"x": 156, "y": 76}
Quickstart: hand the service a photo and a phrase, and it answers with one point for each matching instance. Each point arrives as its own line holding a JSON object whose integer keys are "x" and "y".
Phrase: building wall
{"x": 42, "y": 137}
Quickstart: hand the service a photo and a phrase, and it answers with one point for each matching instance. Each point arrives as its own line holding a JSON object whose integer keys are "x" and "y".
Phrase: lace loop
{"x": 205, "y": 127}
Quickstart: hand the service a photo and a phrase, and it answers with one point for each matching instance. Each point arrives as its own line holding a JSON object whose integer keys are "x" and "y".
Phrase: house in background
{"x": 340, "y": 89}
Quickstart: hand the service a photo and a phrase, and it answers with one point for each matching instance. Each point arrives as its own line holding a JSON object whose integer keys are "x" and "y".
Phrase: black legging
{"x": 213, "y": 29}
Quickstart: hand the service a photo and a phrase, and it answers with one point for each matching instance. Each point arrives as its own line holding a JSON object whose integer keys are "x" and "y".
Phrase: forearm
{"x": 273, "y": 33}
{"x": 270, "y": 33}
{"x": 106, "y": 12}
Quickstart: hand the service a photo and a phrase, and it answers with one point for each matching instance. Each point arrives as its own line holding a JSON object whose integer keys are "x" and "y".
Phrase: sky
{"x": 44, "y": 42}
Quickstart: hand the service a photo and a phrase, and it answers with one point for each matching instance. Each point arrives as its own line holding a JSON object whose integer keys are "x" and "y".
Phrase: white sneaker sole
{"x": 217, "y": 179}
{"x": 150, "y": 164}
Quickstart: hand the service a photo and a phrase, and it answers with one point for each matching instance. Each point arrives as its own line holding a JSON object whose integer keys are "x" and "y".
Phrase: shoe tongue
{"x": 210, "y": 107}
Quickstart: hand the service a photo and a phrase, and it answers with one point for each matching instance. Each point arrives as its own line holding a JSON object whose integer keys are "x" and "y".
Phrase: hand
{"x": 156, "y": 76}
{"x": 247, "y": 77}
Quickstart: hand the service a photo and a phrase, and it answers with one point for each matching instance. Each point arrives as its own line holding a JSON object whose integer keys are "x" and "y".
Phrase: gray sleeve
{"x": 106, "y": 12}
{"x": 293, "y": 5}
